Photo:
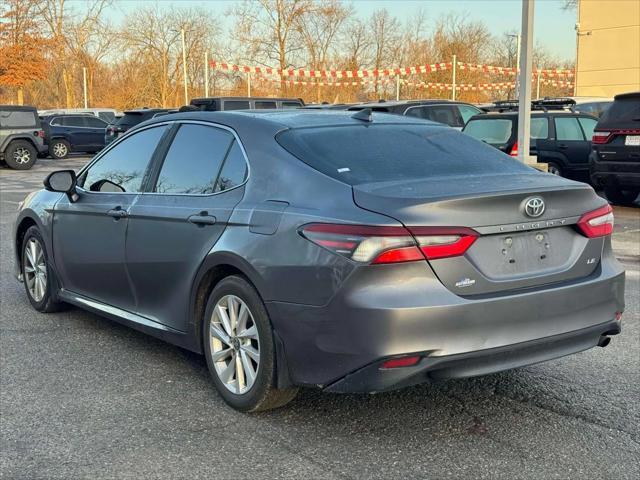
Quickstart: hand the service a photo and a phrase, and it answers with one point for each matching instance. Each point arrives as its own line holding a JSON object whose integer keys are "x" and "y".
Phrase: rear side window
{"x": 260, "y": 105}
{"x": 130, "y": 119}
{"x": 17, "y": 119}
{"x": 379, "y": 153}
{"x": 73, "y": 122}
{"x": 588, "y": 125}
{"x": 467, "y": 111}
{"x": 234, "y": 170}
{"x": 442, "y": 114}
{"x": 495, "y": 131}
{"x": 236, "y": 105}
{"x": 122, "y": 168}
{"x": 568, "y": 129}
{"x": 291, "y": 104}
{"x": 193, "y": 161}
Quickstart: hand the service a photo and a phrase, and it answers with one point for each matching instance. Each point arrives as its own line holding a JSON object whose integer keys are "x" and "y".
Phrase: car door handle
{"x": 202, "y": 219}
{"x": 117, "y": 213}
{"x": 563, "y": 146}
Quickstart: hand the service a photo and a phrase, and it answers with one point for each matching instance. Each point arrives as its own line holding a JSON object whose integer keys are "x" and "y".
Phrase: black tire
{"x": 555, "y": 169}
{"x": 618, "y": 196}
{"x": 263, "y": 394}
{"x": 20, "y": 155}
{"x": 59, "y": 149}
{"x": 47, "y": 303}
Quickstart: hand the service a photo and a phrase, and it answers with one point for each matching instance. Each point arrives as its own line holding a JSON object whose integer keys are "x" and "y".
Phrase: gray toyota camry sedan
{"x": 347, "y": 252}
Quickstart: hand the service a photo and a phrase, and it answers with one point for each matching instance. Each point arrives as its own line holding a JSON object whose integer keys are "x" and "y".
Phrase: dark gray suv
{"x": 352, "y": 252}
{"x": 21, "y": 136}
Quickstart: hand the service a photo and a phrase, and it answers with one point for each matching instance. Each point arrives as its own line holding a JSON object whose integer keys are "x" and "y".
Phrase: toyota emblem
{"x": 534, "y": 207}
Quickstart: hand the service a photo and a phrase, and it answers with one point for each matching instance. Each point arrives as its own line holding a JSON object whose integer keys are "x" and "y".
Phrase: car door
{"x": 89, "y": 234}
{"x": 96, "y": 129}
{"x": 72, "y": 130}
{"x": 571, "y": 142}
{"x": 175, "y": 224}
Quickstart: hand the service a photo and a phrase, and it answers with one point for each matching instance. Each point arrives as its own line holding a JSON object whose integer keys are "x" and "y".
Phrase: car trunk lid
{"x": 513, "y": 250}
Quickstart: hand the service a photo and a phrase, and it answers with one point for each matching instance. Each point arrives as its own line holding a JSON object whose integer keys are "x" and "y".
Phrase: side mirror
{"x": 63, "y": 181}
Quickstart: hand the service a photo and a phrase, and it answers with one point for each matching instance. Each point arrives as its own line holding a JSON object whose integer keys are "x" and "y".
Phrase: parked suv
{"x": 73, "y": 133}
{"x": 211, "y": 104}
{"x": 559, "y": 138}
{"x": 131, "y": 118}
{"x": 454, "y": 114}
{"x": 21, "y": 137}
{"x": 615, "y": 157}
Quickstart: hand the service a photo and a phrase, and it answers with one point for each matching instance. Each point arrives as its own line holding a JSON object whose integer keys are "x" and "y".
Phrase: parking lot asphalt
{"x": 84, "y": 397}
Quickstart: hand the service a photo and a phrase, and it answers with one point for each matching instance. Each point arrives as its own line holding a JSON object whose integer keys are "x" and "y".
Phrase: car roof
{"x": 623, "y": 96}
{"x": 535, "y": 113}
{"x": 140, "y": 111}
{"x": 396, "y": 103}
{"x": 287, "y": 119}
{"x": 18, "y": 108}
{"x": 273, "y": 99}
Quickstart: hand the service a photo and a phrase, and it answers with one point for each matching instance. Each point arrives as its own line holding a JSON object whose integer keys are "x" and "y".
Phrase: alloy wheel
{"x": 35, "y": 269}
{"x": 22, "y": 155}
{"x": 235, "y": 344}
{"x": 60, "y": 149}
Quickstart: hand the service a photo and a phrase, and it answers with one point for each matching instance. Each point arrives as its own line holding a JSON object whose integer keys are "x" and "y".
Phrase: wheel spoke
{"x": 224, "y": 319}
{"x": 251, "y": 332}
{"x": 240, "y": 381}
{"x": 243, "y": 315}
{"x": 221, "y": 354}
{"x": 220, "y": 334}
{"x": 227, "y": 372}
{"x": 232, "y": 310}
{"x": 252, "y": 352}
{"x": 30, "y": 259}
{"x": 29, "y": 269}
{"x": 248, "y": 368}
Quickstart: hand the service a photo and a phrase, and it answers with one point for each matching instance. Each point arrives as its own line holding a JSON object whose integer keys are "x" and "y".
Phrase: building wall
{"x": 608, "y": 60}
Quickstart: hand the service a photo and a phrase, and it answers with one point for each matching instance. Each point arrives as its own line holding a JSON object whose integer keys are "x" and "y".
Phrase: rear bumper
{"x": 614, "y": 174}
{"x": 372, "y": 378}
{"x": 407, "y": 310}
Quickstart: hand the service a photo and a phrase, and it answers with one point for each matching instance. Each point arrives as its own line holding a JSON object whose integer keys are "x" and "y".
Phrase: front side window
{"x": 539, "y": 128}
{"x": 95, "y": 122}
{"x": 73, "y": 122}
{"x": 568, "y": 129}
{"x": 122, "y": 168}
{"x": 194, "y": 160}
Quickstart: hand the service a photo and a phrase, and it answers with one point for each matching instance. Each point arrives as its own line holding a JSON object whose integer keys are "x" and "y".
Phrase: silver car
{"x": 350, "y": 252}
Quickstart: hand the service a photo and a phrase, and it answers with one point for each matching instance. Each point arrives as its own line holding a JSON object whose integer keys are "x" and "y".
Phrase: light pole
{"x": 524, "y": 99}
{"x": 518, "y": 40}
{"x": 184, "y": 67}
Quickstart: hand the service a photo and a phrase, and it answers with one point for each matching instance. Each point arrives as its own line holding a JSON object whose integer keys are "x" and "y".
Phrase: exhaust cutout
{"x": 604, "y": 341}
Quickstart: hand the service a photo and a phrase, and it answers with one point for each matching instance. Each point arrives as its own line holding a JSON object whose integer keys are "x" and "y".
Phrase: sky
{"x": 553, "y": 27}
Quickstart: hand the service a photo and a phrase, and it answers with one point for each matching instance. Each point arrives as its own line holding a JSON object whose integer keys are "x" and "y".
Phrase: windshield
{"x": 377, "y": 153}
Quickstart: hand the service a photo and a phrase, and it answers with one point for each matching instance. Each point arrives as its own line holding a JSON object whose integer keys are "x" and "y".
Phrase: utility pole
{"x": 184, "y": 67}
{"x": 524, "y": 98}
{"x": 248, "y": 84}
{"x": 84, "y": 85}
{"x": 397, "y": 87}
{"x": 517, "y": 62}
{"x": 206, "y": 74}
{"x": 453, "y": 83}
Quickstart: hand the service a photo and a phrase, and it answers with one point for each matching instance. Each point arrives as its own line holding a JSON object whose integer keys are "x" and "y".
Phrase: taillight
{"x": 597, "y": 223}
{"x": 39, "y": 133}
{"x": 400, "y": 362}
{"x": 600, "y": 138}
{"x": 365, "y": 244}
{"x": 514, "y": 150}
{"x": 376, "y": 245}
{"x": 444, "y": 242}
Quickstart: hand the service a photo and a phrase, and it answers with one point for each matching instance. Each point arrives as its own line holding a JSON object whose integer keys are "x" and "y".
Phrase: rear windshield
{"x": 18, "y": 119}
{"x": 622, "y": 113}
{"x": 378, "y": 153}
{"x": 495, "y": 131}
